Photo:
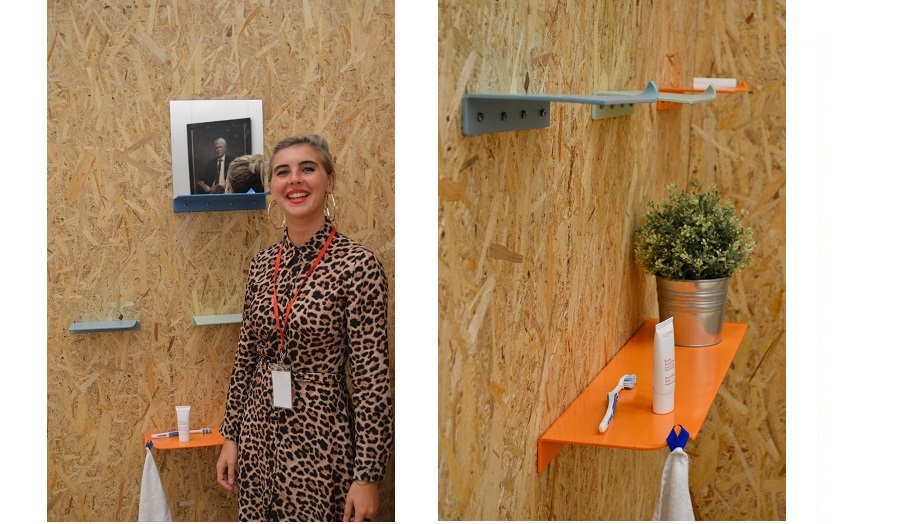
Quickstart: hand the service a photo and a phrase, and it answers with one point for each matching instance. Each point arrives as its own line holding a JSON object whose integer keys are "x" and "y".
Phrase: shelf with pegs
{"x": 219, "y": 202}
{"x": 484, "y": 113}
{"x": 699, "y": 371}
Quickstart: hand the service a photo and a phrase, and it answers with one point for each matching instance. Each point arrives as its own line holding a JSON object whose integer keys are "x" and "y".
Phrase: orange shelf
{"x": 197, "y": 439}
{"x": 698, "y": 374}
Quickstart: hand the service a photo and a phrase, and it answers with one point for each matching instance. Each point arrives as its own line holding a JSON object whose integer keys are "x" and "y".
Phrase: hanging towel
{"x": 153, "y": 506}
{"x": 674, "y": 496}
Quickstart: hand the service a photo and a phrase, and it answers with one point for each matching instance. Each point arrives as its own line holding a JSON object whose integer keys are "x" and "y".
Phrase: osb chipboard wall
{"x": 117, "y": 249}
{"x": 537, "y": 283}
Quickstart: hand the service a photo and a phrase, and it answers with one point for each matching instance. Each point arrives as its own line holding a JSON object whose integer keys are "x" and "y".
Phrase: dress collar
{"x": 309, "y": 249}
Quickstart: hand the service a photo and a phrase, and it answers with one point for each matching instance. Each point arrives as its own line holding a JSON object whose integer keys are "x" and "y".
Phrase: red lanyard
{"x": 278, "y": 322}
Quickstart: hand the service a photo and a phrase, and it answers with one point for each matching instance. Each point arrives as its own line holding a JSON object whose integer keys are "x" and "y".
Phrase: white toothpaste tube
{"x": 664, "y": 367}
{"x": 184, "y": 423}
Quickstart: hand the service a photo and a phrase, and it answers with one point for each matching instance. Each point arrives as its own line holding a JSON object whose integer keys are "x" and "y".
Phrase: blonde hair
{"x": 317, "y": 142}
{"x": 245, "y": 173}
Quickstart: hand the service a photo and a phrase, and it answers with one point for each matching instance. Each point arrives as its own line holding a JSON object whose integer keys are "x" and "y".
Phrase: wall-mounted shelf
{"x": 719, "y": 87}
{"x": 698, "y": 374}
{"x": 222, "y": 202}
{"x": 484, "y": 113}
{"x": 213, "y": 320}
{"x": 197, "y": 440}
{"x": 670, "y": 100}
{"x": 97, "y": 327}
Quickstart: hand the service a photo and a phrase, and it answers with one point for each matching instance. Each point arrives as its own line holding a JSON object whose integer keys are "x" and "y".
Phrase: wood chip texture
{"x": 538, "y": 287}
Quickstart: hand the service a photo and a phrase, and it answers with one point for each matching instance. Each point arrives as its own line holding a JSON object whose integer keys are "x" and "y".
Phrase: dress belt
{"x": 321, "y": 378}
{"x": 314, "y": 377}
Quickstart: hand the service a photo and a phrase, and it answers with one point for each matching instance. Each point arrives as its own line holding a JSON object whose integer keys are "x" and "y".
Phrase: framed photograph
{"x": 211, "y": 148}
{"x": 206, "y": 136}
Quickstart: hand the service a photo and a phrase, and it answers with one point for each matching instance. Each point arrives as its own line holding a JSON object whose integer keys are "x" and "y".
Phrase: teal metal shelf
{"x": 688, "y": 98}
{"x": 98, "y": 327}
{"x": 213, "y": 320}
{"x": 221, "y": 202}
{"x": 484, "y": 113}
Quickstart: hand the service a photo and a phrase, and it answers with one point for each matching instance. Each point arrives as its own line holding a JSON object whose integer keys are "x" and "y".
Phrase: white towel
{"x": 153, "y": 506}
{"x": 674, "y": 497}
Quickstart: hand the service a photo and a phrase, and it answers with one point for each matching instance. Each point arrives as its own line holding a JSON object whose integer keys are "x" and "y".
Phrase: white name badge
{"x": 281, "y": 389}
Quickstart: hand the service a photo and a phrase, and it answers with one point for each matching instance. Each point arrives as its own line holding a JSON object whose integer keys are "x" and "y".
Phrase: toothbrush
{"x": 205, "y": 431}
{"x": 627, "y": 382}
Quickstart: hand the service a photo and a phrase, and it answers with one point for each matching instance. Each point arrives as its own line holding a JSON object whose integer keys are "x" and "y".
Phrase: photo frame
{"x": 211, "y": 147}
{"x": 196, "y": 127}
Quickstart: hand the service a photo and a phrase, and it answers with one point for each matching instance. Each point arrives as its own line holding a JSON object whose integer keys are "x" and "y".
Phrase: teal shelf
{"x": 484, "y": 113}
{"x": 222, "y": 202}
{"x": 213, "y": 320}
{"x": 98, "y": 327}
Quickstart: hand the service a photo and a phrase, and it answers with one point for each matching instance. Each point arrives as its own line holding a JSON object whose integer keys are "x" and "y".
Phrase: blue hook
{"x": 675, "y": 440}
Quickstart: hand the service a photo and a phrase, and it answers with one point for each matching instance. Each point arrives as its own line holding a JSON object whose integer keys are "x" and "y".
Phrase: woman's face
{"x": 300, "y": 183}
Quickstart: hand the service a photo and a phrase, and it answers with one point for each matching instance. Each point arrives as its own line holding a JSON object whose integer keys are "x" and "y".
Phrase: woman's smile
{"x": 297, "y": 196}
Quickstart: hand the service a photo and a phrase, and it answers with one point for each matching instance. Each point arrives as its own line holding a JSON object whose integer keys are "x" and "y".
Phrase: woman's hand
{"x": 362, "y": 502}
{"x": 226, "y": 466}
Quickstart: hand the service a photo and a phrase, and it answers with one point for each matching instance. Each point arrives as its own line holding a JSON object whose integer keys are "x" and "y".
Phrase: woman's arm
{"x": 244, "y": 362}
{"x": 226, "y": 466}
{"x": 367, "y": 333}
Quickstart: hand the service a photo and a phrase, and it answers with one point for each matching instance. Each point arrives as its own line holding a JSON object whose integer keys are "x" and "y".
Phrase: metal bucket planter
{"x": 698, "y": 307}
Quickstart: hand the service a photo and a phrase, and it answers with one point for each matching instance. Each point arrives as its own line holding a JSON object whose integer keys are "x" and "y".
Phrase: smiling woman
{"x": 298, "y": 444}
{"x": 302, "y": 175}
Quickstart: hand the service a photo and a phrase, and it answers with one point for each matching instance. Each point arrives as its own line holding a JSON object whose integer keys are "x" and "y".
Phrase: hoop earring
{"x": 330, "y": 207}
{"x": 269, "y": 213}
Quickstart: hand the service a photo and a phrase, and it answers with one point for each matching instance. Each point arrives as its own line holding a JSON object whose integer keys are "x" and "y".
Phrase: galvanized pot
{"x": 698, "y": 307}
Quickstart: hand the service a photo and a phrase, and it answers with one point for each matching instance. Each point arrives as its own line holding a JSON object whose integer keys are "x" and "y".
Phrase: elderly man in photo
{"x": 213, "y": 180}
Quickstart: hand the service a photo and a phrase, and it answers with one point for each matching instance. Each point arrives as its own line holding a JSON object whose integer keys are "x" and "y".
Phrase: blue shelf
{"x": 97, "y": 327}
{"x": 223, "y": 202}
{"x": 212, "y": 320}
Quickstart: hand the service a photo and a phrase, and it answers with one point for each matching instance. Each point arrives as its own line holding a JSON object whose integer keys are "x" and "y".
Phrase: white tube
{"x": 664, "y": 367}
{"x": 184, "y": 423}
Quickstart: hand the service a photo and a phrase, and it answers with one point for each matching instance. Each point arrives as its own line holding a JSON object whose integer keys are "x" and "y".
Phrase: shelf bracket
{"x": 546, "y": 451}
{"x": 484, "y": 113}
{"x": 97, "y": 327}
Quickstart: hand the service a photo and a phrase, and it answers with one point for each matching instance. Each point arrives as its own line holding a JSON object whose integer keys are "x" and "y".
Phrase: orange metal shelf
{"x": 197, "y": 439}
{"x": 698, "y": 374}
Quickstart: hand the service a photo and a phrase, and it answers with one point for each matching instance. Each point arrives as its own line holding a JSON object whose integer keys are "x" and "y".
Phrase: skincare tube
{"x": 184, "y": 423}
{"x": 664, "y": 367}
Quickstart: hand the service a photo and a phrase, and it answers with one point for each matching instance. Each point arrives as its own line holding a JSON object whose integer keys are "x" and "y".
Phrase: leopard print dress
{"x": 297, "y": 464}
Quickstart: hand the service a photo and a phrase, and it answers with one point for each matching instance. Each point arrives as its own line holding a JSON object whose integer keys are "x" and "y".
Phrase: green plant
{"x": 693, "y": 236}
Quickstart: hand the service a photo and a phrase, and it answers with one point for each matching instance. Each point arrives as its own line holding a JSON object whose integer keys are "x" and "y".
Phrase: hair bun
{"x": 255, "y": 164}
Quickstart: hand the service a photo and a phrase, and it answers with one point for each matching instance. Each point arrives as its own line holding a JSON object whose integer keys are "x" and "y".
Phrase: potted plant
{"x": 693, "y": 243}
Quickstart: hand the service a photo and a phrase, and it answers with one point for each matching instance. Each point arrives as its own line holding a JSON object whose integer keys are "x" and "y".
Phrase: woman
{"x": 245, "y": 173}
{"x": 298, "y": 444}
